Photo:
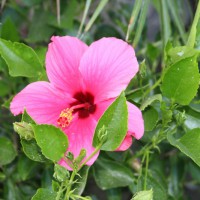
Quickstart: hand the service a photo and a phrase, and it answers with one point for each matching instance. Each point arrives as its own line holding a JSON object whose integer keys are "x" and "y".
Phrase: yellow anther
{"x": 65, "y": 117}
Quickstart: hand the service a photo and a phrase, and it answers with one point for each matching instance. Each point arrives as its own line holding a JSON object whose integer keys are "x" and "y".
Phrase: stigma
{"x": 65, "y": 118}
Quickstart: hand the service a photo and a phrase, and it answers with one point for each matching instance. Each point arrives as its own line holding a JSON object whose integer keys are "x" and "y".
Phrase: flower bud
{"x": 79, "y": 159}
{"x": 60, "y": 173}
{"x": 180, "y": 117}
{"x": 102, "y": 134}
{"x": 24, "y": 130}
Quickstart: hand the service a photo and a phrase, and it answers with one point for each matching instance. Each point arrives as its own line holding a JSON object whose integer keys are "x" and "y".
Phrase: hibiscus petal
{"x": 135, "y": 121}
{"x": 127, "y": 142}
{"x": 80, "y": 135}
{"x": 107, "y": 67}
{"x": 62, "y": 62}
{"x": 42, "y": 101}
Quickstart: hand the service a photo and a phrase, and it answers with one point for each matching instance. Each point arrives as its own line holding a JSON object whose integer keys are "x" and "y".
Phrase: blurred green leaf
{"x": 40, "y": 22}
{"x": 114, "y": 194}
{"x": 52, "y": 141}
{"x": 21, "y": 59}
{"x": 175, "y": 187}
{"x": 11, "y": 191}
{"x": 4, "y": 88}
{"x": 6, "y": 33}
{"x": 194, "y": 170}
{"x": 189, "y": 144}
{"x": 30, "y": 3}
{"x": 144, "y": 195}
{"x": 43, "y": 193}
{"x": 104, "y": 30}
{"x": 8, "y": 152}
{"x": 2, "y": 177}
{"x": 111, "y": 174}
{"x": 150, "y": 116}
{"x": 68, "y": 13}
{"x": 181, "y": 81}
{"x": 115, "y": 121}
{"x": 25, "y": 168}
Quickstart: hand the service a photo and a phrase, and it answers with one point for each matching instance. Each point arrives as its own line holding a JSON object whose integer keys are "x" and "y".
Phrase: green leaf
{"x": 81, "y": 181}
{"x": 115, "y": 120}
{"x": 111, "y": 174}
{"x": 43, "y": 193}
{"x": 21, "y": 59}
{"x": 181, "y": 81}
{"x": 150, "y": 116}
{"x": 27, "y": 118}
{"x": 8, "y": 152}
{"x": 153, "y": 182}
{"x": 179, "y": 53}
{"x": 189, "y": 144}
{"x": 192, "y": 122}
{"x": 150, "y": 100}
{"x": 52, "y": 141}
{"x": 144, "y": 195}
{"x": 32, "y": 150}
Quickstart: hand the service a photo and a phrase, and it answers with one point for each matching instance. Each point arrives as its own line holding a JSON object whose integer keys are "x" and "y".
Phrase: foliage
{"x": 164, "y": 164}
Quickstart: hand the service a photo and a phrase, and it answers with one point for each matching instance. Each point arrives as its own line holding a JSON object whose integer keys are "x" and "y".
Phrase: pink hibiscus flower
{"x": 84, "y": 81}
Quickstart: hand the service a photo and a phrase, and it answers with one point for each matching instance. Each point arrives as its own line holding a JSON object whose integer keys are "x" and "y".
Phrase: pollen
{"x": 65, "y": 118}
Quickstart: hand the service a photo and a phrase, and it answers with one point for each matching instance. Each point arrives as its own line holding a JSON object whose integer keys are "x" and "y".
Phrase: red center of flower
{"x": 84, "y": 105}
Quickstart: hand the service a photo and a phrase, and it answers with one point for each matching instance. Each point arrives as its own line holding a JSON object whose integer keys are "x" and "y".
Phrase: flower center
{"x": 84, "y": 105}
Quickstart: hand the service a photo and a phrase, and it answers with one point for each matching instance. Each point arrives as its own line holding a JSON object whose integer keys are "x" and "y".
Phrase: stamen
{"x": 66, "y": 115}
{"x": 65, "y": 118}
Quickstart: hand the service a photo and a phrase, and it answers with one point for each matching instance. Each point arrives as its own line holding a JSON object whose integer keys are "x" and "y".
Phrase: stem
{"x": 87, "y": 6}
{"x": 133, "y": 18}
{"x": 67, "y": 195}
{"x": 78, "y": 197}
{"x": 192, "y": 35}
{"x": 141, "y": 22}
{"x": 165, "y": 21}
{"x": 177, "y": 21}
{"x": 60, "y": 191}
{"x": 96, "y": 14}
{"x": 93, "y": 153}
{"x": 156, "y": 84}
{"x": 146, "y": 170}
{"x": 58, "y": 11}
